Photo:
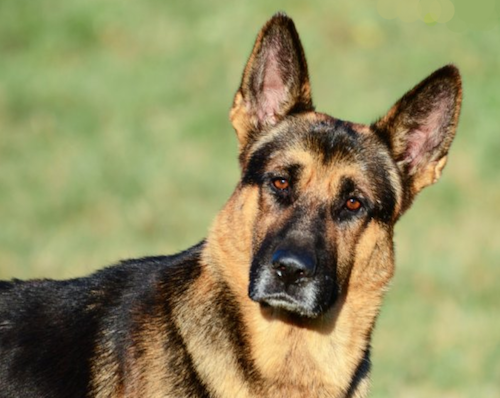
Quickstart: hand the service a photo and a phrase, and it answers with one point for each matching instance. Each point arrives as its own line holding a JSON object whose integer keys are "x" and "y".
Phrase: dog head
{"x": 319, "y": 196}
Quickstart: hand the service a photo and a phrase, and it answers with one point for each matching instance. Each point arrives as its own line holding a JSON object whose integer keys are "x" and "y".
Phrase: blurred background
{"x": 115, "y": 143}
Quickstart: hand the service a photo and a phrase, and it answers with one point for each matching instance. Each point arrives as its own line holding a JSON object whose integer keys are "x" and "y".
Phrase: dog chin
{"x": 287, "y": 304}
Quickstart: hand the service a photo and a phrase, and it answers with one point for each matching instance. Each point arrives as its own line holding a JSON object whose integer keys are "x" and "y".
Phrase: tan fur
{"x": 106, "y": 382}
{"x": 240, "y": 122}
{"x": 216, "y": 362}
{"x": 318, "y": 359}
{"x": 430, "y": 175}
{"x": 146, "y": 374}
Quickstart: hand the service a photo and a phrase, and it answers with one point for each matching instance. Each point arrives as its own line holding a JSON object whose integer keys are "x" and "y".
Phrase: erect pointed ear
{"x": 420, "y": 127}
{"x": 275, "y": 81}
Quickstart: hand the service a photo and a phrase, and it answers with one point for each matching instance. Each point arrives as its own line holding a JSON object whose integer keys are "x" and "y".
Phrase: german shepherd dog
{"x": 281, "y": 299}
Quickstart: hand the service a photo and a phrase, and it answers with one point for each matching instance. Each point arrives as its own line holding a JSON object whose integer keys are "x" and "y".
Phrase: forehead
{"x": 319, "y": 142}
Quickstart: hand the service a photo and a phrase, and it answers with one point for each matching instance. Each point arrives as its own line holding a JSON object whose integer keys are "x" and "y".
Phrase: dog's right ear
{"x": 275, "y": 81}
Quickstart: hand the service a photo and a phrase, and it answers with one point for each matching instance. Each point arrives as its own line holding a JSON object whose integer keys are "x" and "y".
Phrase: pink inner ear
{"x": 427, "y": 135}
{"x": 273, "y": 90}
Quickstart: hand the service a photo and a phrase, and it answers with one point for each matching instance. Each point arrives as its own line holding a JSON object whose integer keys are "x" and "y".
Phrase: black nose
{"x": 293, "y": 265}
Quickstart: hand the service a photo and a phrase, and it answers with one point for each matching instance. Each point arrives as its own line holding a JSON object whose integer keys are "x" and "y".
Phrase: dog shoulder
{"x": 55, "y": 330}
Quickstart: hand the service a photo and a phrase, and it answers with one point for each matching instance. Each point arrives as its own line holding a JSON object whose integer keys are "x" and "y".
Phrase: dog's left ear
{"x": 420, "y": 127}
{"x": 275, "y": 81}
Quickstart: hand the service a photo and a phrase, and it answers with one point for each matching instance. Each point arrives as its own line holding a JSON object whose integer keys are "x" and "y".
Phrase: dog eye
{"x": 353, "y": 204}
{"x": 280, "y": 183}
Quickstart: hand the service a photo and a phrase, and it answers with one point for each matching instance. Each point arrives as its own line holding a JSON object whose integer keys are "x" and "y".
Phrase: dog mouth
{"x": 286, "y": 303}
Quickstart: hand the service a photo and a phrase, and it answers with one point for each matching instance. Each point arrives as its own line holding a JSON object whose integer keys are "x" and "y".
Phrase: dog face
{"x": 328, "y": 192}
{"x": 320, "y": 183}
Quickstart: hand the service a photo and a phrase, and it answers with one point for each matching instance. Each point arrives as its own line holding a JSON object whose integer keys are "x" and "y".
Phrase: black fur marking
{"x": 326, "y": 258}
{"x": 254, "y": 171}
{"x": 334, "y": 139}
{"x": 361, "y": 373}
{"x": 293, "y": 171}
{"x": 230, "y": 315}
{"x": 40, "y": 358}
{"x": 385, "y": 201}
{"x": 304, "y": 230}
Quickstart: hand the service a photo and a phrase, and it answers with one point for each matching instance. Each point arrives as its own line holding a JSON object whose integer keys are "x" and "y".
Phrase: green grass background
{"x": 115, "y": 143}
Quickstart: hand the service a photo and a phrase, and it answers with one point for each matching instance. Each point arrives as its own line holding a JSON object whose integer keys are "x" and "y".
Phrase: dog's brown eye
{"x": 353, "y": 204}
{"x": 280, "y": 183}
